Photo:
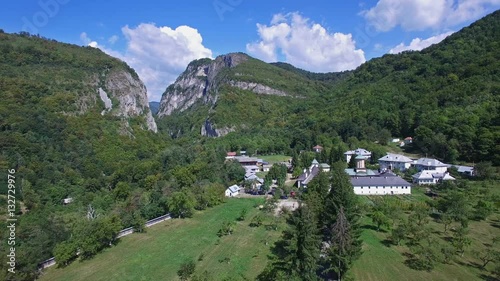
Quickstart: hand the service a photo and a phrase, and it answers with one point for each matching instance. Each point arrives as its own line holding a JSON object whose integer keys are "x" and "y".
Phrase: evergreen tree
{"x": 341, "y": 222}
{"x": 297, "y": 253}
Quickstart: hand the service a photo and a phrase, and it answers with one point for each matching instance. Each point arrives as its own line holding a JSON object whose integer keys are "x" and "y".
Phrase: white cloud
{"x": 306, "y": 45}
{"x": 87, "y": 41}
{"x": 418, "y": 44}
{"x": 160, "y": 54}
{"x": 112, "y": 40}
{"x": 424, "y": 14}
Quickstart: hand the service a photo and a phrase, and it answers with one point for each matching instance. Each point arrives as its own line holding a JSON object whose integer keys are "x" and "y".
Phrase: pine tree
{"x": 340, "y": 222}
{"x": 298, "y": 252}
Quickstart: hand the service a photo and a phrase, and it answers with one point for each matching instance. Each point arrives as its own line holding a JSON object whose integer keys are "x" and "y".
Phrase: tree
{"x": 297, "y": 253}
{"x": 483, "y": 209}
{"x": 256, "y": 221}
{"x": 243, "y": 214}
{"x": 380, "y": 220}
{"x": 181, "y": 204}
{"x": 484, "y": 170}
{"x": 446, "y": 219}
{"x": 65, "y": 252}
{"x": 398, "y": 234}
{"x": 343, "y": 248}
{"x": 186, "y": 269}
{"x": 460, "y": 240}
{"x": 227, "y": 228}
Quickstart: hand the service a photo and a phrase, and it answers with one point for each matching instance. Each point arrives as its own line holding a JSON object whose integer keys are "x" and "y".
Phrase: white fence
{"x": 124, "y": 232}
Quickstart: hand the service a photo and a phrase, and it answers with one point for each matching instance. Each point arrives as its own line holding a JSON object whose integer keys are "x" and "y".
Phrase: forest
{"x": 446, "y": 97}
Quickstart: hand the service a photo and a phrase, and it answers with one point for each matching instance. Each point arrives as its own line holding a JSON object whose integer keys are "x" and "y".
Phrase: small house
{"x": 232, "y": 191}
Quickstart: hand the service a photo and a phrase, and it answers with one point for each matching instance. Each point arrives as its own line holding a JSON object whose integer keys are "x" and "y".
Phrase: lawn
{"x": 274, "y": 158}
{"x": 158, "y": 253}
{"x": 382, "y": 260}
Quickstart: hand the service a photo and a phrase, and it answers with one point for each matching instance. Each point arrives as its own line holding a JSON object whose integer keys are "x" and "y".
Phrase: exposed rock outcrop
{"x": 198, "y": 82}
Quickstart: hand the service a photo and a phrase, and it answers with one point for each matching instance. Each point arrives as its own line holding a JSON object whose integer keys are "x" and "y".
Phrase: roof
{"x": 429, "y": 162}
{"x": 352, "y": 173}
{"x": 432, "y": 174}
{"x": 318, "y": 147}
{"x": 462, "y": 169}
{"x": 305, "y": 178}
{"x": 315, "y": 162}
{"x": 246, "y": 159}
{"x": 359, "y": 151}
{"x": 360, "y": 157}
{"x": 408, "y": 138}
{"x": 379, "y": 181}
{"x": 395, "y": 158}
{"x": 234, "y": 188}
{"x": 324, "y": 165}
{"x": 231, "y": 154}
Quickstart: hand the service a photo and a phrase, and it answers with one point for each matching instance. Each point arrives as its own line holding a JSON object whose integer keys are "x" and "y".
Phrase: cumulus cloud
{"x": 424, "y": 14}
{"x": 305, "y": 44}
{"x": 418, "y": 44}
{"x": 159, "y": 54}
{"x": 112, "y": 40}
{"x": 87, "y": 41}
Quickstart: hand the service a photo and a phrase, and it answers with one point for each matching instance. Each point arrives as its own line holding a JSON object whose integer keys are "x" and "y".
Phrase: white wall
{"x": 381, "y": 190}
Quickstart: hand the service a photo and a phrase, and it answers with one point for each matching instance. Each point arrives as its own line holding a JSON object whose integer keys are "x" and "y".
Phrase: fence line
{"x": 124, "y": 232}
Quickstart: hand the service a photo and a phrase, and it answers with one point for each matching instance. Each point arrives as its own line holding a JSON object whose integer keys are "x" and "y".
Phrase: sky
{"x": 159, "y": 38}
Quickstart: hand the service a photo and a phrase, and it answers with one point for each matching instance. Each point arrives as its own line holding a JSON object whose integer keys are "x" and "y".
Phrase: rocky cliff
{"x": 130, "y": 95}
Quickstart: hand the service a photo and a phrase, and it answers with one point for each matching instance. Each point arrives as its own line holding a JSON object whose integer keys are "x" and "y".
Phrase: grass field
{"x": 383, "y": 261}
{"x": 158, "y": 253}
{"x": 274, "y": 158}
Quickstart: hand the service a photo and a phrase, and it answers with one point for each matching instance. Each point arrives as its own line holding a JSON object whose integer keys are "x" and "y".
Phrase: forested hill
{"x": 73, "y": 121}
{"x": 446, "y": 96}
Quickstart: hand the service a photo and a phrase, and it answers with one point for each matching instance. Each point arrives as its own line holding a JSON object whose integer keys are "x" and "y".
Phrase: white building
{"x": 357, "y": 152}
{"x": 431, "y": 177}
{"x": 232, "y": 191}
{"x": 430, "y": 164}
{"x": 395, "y": 161}
{"x": 380, "y": 185}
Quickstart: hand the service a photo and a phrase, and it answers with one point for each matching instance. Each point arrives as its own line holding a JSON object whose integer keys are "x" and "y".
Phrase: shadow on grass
{"x": 374, "y": 228}
{"x": 388, "y": 243}
{"x": 487, "y": 277}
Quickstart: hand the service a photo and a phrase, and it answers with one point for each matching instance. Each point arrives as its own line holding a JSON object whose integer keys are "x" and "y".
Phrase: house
{"x": 395, "y": 140}
{"x": 309, "y": 174}
{"x": 408, "y": 140}
{"x": 368, "y": 182}
{"x": 246, "y": 161}
{"x": 357, "y": 152}
{"x": 360, "y": 170}
{"x": 324, "y": 167}
{"x": 395, "y": 161}
{"x": 431, "y": 177}
{"x": 430, "y": 164}
{"x": 266, "y": 167}
{"x": 230, "y": 155}
{"x": 251, "y": 169}
{"x": 464, "y": 170}
{"x": 232, "y": 191}
{"x": 389, "y": 184}
{"x": 317, "y": 148}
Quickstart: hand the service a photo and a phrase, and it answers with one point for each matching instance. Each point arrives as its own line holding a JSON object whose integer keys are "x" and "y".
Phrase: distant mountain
{"x": 154, "y": 106}
{"x": 445, "y": 96}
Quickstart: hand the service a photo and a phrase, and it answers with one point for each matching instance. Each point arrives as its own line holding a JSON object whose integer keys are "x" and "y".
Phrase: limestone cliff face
{"x": 122, "y": 95}
{"x": 131, "y": 97}
{"x": 197, "y": 83}
{"x": 200, "y": 83}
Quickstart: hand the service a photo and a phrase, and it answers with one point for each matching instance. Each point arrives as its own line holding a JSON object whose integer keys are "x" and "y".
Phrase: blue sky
{"x": 159, "y": 38}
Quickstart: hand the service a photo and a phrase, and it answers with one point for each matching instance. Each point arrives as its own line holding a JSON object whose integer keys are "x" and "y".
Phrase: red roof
{"x": 231, "y": 154}
{"x": 317, "y": 146}
{"x": 408, "y": 138}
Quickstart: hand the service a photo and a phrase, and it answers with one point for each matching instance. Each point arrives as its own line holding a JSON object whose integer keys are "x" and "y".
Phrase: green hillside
{"x": 54, "y": 134}
{"x": 446, "y": 97}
